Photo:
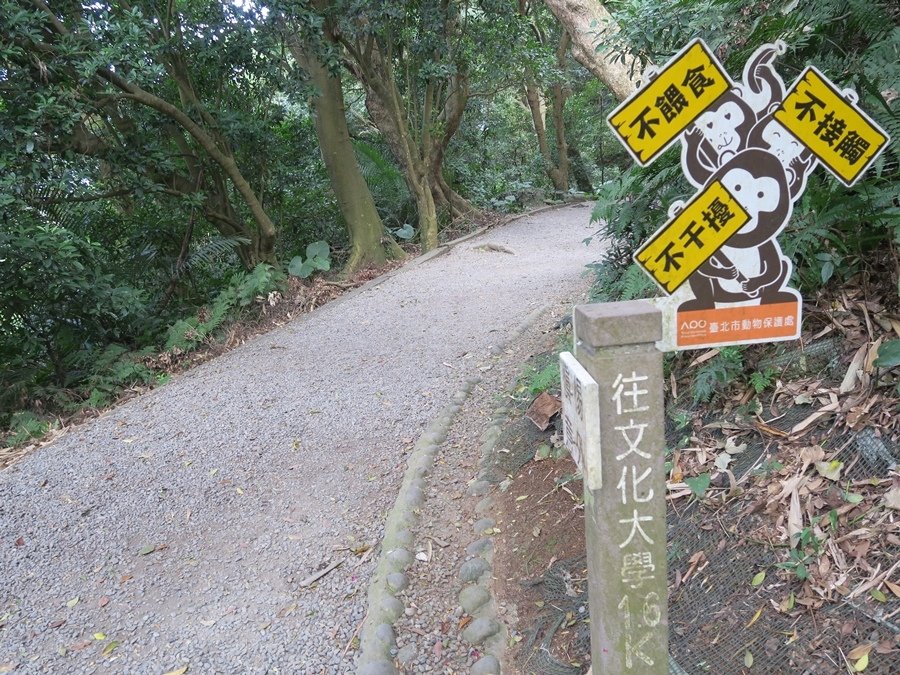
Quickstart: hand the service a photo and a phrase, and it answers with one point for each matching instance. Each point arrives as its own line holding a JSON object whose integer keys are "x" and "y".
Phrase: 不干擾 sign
{"x": 687, "y": 241}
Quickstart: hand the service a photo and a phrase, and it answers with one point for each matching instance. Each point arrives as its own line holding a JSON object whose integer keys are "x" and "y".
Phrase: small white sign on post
{"x": 581, "y": 418}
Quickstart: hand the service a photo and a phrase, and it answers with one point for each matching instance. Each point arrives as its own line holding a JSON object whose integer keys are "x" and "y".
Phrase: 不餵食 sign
{"x": 650, "y": 121}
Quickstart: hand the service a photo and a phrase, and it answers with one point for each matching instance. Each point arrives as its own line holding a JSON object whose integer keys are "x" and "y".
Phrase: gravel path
{"x": 177, "y": 529}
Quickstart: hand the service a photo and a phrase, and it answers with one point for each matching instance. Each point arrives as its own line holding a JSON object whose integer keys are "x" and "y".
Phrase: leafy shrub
{"x": 318, "y": 257}
{"x": 24, "y": 426}
{"x": 114, "y": 368}
{"x": 57, "y": 305}
{"x": 717, "y": 373}
{"x": 187, "y": 334}
{"x": 540, "y": 380}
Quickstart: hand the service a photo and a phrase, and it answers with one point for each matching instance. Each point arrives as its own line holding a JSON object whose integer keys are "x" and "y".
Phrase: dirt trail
{"x": 176, "y": 530}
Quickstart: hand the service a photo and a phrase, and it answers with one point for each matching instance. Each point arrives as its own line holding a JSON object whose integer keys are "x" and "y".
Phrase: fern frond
{"x": 210, "y": 251}
{"x": 380, "y": 173}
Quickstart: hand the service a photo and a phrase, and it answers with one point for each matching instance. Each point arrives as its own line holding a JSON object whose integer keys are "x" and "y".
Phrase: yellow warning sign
{"x": 656, "y": 114}
{"x": 687, "y": 241}
{"x": 841, "y": 135}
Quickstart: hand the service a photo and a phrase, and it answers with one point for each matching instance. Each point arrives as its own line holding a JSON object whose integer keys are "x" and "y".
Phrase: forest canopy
{"x": 169, "y": 167}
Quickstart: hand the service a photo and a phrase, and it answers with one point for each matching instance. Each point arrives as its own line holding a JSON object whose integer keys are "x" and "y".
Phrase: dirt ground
{"x": 541, "y": 519}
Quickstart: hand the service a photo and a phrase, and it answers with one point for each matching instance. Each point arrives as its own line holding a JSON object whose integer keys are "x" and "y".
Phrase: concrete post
{"x": 625, "y": 519}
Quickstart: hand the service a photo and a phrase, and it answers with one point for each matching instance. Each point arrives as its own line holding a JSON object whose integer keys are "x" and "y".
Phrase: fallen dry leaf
{"x": 755, "y": 618}
{"x": 892, "y": 498}
{"x": 830, "y": 470}
{"x": 895, "y": 589}
{"x": 795, "y": 518}
{"x": 542, "y": 410}
{"x": 860, "y": 651}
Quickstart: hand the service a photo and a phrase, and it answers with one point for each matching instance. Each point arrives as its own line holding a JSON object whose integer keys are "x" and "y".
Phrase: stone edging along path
{"x": 378, "y": 642}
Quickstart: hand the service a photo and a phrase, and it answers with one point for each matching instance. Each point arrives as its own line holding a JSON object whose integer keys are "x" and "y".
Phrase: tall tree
{"x": 404, "y": 55}
{"x": 369, "y": 242}
{"x": 557, "y": 168}
{"x": 590, "y": 26}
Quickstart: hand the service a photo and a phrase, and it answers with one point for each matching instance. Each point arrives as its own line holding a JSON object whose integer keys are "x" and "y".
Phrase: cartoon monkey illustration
{"x": 750, "y": 266}
{"x": 798, "y": 161}
{"x": 739, "y": 143}
{"x": 720, "y": 133}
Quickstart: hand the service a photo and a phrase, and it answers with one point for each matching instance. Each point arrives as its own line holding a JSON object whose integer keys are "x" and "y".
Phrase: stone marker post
{"x": 625, "y": 519}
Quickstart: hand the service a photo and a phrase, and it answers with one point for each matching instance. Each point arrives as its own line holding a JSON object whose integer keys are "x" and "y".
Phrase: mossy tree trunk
{"x": 411, "y": 147}
{"x": 369, "y": 243}
{"x": 557, "y": 168}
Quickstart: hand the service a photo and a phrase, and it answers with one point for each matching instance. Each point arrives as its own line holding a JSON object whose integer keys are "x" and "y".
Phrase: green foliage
{"x": 58, "y": 303}
{"x": 405, "y": 233}
{"x": 888, "y": 354}
{"x": 713, "y": 376}
{"x": 768, "y": 466}
{"x": 187, "y": 334}
{"x": 628, "y": 210}
{"x": 797, "y": 564}
{"x": 318, "y": 257}
{"x": 698, "y": 485}
{"x": 547, "y": 377}
{"x": 386, "y": 183}
{"x": 25, "y": 426}
{"x": 113, "y": 369}
{"x": 761, "y": 380}
{"x": 496, "y": 156}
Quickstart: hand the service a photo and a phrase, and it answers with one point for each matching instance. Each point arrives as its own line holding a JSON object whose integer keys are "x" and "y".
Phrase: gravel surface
{"x": 176, "y": 530}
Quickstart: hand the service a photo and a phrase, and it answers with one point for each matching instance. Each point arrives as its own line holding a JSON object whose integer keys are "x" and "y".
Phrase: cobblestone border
{"x": 377, "y": 639}
{"x": 475, "y": 597}
{"x": 378, "y": 642}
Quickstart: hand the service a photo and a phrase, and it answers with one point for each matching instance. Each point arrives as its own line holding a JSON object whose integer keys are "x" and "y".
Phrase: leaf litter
{"x": 818, "y": 496}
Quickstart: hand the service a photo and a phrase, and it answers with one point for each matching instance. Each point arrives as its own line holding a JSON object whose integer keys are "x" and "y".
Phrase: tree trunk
{"x": 386, "y": 110}
{"x": 583, "y": 20}
{"x": 446, "y": 197}
{"x": 579, "y": 170}
{"x": 369, "y": 244}
{"x": 560, "y": 173}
